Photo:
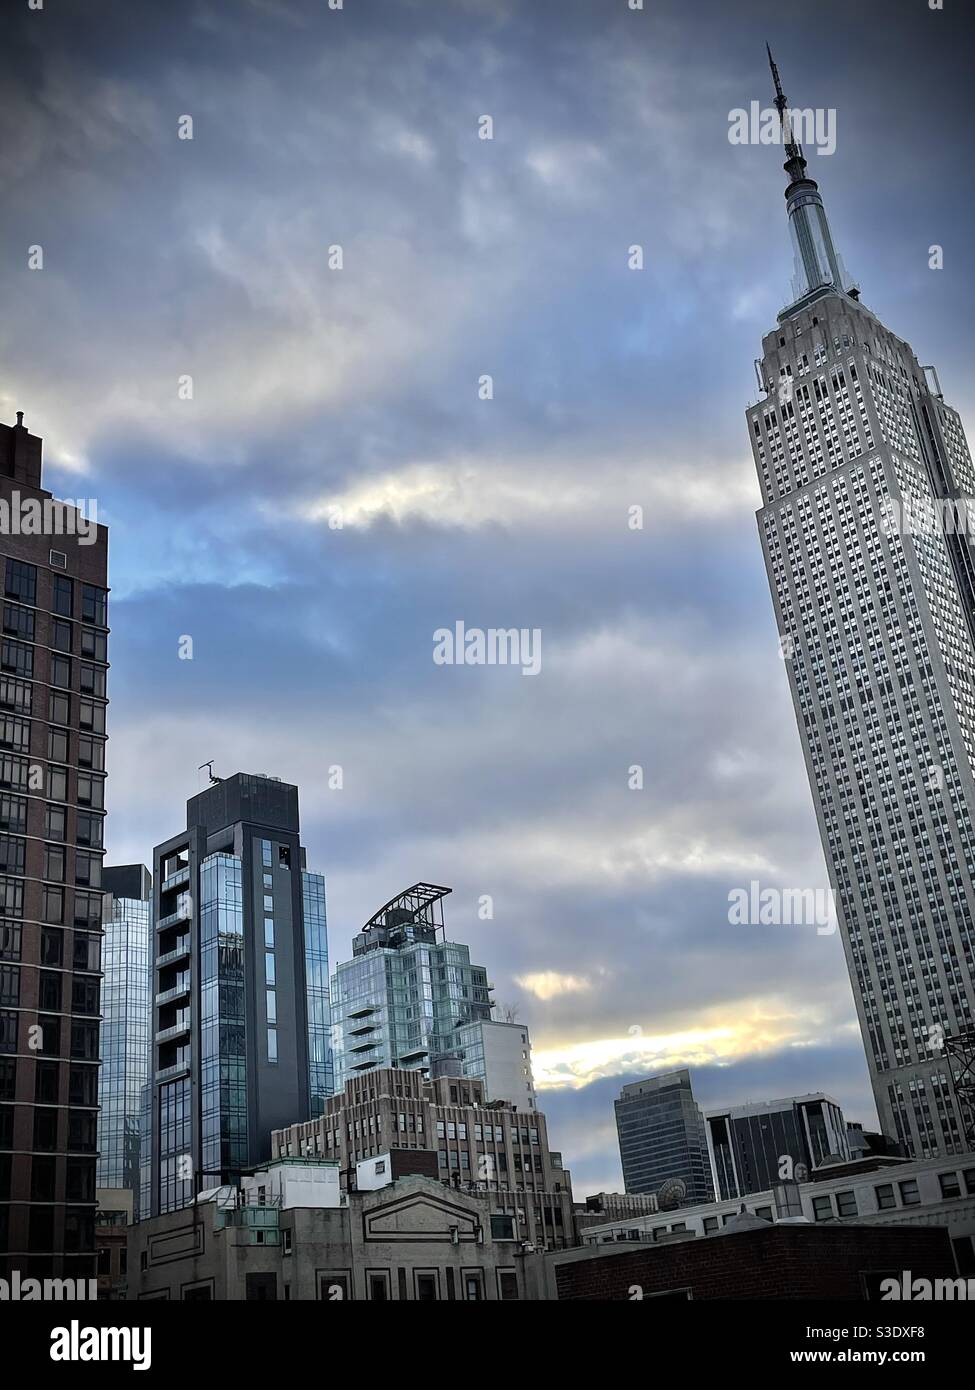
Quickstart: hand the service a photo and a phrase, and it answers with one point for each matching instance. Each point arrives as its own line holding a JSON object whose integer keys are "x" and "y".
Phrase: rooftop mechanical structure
{"x": 960, "y": 1049}
{"x": 416, "y": 914}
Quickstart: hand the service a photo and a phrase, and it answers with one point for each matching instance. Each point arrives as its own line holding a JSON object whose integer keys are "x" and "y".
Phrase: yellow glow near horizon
{"x": 576, "y": 1064}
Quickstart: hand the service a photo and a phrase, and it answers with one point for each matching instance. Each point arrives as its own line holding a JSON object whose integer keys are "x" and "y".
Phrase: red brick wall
{"x": 783, "y": 1262}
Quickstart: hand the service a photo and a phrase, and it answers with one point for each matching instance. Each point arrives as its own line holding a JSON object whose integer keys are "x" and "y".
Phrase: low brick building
{"x": 750, "y": 1259}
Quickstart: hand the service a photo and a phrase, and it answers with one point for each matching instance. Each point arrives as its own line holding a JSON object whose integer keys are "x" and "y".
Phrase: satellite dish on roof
{"x": 671, "y": 1193}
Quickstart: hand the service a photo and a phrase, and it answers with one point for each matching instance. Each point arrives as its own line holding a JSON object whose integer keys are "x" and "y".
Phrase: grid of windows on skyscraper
{"x": 875, "y": 620}
{"x": 53, "y": 660}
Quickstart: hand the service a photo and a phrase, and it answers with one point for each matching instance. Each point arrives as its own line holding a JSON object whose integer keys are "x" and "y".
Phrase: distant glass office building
{"x": 402, "y": 998}
{"x": 241, "y": 1022}
{"x": 662, "y": 1136}
{"x": 127, "y": 924}
{"x": 749, "y": 1144}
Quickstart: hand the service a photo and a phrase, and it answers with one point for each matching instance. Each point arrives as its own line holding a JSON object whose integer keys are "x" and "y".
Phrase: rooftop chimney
{"x": 20, "y": 454}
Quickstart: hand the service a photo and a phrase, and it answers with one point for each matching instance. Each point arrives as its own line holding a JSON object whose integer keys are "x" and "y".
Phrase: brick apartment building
{"x": 53, "y": 667}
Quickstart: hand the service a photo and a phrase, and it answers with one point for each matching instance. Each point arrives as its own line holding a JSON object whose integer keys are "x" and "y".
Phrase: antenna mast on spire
{"x": 793, "y": 150}
{"x": 779, "y": 94}
{"x": 818, "y": 265}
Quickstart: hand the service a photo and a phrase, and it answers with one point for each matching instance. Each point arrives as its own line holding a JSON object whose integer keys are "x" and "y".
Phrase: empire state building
{"x": 864, "y": 471}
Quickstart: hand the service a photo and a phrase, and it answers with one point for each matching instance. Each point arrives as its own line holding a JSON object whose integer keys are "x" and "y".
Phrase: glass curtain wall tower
{"x": 241, "y": 1021}
{"x": 402, "y": 998}
{"x": 127, "y": 919}
{"x": 320, "y": 1063}
{"x": 861, "y": 463}
{"x": 662, "y": 1137}
{"x": 748, "y": 1143}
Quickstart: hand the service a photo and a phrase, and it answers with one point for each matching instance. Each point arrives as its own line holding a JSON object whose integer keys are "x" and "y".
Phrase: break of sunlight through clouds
{"x": 760, "y": 1028}
{"x": 551, "y": 492}
{"x": 320, "y": 392}
{"x": 546, "y": 984}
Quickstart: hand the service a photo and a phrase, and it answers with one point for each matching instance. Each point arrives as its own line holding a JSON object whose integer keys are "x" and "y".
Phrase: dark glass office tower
{"x": 127, "y": 921}
{"x": 662, "y": 1136}
{"x": 241, "y": 1021}
{"x": 755, "y": 1146}
{"x": 53, "y": 664}
{"x": 865, "y": 471}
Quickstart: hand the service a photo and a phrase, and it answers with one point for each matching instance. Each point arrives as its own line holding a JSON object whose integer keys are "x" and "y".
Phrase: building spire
{"x": 817, "y": 262}
{"x": 792, "y": 149}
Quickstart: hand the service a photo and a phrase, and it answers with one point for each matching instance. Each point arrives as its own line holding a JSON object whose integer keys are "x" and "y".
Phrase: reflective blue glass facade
{"x": 320, "y": 1066}
{"x": 124, "y": 1039}
{"x": 223, "y": 1059}
{"x": 400, "y": 1005}
{"x": 176, "y": 1186}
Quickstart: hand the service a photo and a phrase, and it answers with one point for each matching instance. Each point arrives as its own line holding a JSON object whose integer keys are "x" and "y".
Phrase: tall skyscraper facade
{"x": 662, "y": 1137}
{"x": 861, "y": 463}
{"x": 53, "y": 665}
{"x": 402, "y": 997}
{"x": 127, "y": 923}
{"x": 241, "y": 1020}
{"x": 748, "y": 1143}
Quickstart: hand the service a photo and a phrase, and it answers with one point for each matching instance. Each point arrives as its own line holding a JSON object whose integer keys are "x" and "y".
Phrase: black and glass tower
{"x": 757, "y": 1145}
{"x": 241, "y": 1021}
{"x": 863, "y": 469}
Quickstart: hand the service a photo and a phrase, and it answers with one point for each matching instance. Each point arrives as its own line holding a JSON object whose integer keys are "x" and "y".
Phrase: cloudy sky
{"x": 322, "y": 394}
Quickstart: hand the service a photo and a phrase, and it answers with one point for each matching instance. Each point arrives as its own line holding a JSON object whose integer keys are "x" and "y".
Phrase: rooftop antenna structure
{"x": 819, "y": 268}
{"x": 792, "y": 149}
{"x": 209, "y": 767}
{"x": 960, "y": 1050}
